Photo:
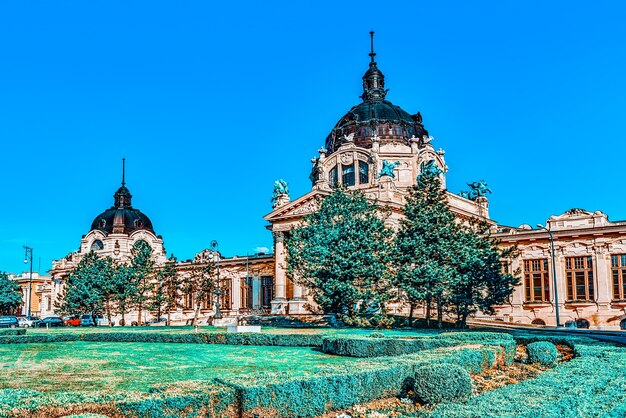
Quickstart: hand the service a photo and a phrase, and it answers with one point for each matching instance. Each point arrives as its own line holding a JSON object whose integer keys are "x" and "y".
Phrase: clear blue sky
{"x": 211, "y": 102}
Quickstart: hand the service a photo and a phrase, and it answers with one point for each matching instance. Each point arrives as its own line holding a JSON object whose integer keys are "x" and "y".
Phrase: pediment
{"x": 299, "y": 208}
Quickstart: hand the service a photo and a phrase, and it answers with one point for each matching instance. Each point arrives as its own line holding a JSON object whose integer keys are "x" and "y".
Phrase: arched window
{"x": 347, "y": 175}
{"x": 538, "y": 321}
{"x": 622, "y": 324}
{"x": 364, "y": 173}
{"x": 97, "y": 245}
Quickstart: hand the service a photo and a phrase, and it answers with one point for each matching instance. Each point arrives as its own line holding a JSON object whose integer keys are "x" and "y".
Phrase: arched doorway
{"x": 538, "y": 321}
{"x": 622, "y": 324}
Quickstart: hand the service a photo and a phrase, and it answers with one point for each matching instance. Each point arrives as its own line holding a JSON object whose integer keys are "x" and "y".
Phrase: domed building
{"x": 376, "y": 147}
{"x": 112, "y": 234}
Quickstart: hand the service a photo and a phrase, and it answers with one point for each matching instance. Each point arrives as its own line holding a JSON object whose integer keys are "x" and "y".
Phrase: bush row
{"x": 13, "y": 331}
{"x": 283, "y": 340}
{"x": 378, "y": 347}
{"x": 265, "y": 396}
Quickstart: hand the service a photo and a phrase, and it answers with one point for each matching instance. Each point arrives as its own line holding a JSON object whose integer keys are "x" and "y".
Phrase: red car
{"x": 72, "y": 321}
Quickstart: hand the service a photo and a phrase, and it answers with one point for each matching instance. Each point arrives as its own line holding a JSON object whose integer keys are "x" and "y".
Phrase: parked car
{"x": 98, "y": 320}
{"x": 24, "y": 322}
{"x": 156, "y": 321}
{"x": 72, "y": 321}
{"x": 9, "y": 322}
{"x": 49, "y": 322}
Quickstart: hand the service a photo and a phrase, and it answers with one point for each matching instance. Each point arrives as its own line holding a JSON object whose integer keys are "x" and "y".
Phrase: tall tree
{"x": 478, "y": 283}
{"x": 10, "y": 295}
{"x": 341, "y": 253}
{"x": 201, "y": 282}
{"x": 85, "y": 288}
{"x": 141, "y": 266}
{"x": 125, "y": 289}
{"x": 168, "y": 290}
{"x": 424, "y": 246}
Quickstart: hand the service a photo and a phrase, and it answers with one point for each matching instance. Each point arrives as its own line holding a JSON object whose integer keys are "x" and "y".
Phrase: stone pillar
{"x": 296, "y": 305}
{"x": 235, "y": 295}
{"x": 280, "y": 276}
{"x": 603, "y": 277}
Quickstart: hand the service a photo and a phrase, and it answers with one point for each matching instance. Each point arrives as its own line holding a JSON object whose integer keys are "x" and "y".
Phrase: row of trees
{"x": 10, "y": 295}
{"x": 98, "y": 284}
{"x": 353, "y": 263}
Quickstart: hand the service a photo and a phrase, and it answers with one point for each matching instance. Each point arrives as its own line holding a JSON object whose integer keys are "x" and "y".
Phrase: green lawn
{"x": 92, "y": 366}
{"x": 264, "y": 330}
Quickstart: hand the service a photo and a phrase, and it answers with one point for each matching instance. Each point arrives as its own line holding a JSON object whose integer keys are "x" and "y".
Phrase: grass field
{"x": 264, "y": 330}
{"x": 89, "y": 366}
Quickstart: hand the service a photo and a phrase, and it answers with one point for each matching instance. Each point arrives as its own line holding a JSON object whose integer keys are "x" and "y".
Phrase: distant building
{"x": 41, "y": 301}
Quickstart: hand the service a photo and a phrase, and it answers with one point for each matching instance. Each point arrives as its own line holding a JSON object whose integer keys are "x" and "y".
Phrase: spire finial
{"x": 123, "y": 171}
{"x": 372, "y": 54}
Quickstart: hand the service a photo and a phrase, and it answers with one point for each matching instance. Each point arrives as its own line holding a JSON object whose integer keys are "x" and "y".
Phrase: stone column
{"x": 235, "y": 295}
{"x": 280, "y": 276}
{"x": 296, "y": 305}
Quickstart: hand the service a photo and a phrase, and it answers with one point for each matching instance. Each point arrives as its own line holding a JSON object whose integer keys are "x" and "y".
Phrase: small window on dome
{"x": 332, "y": 177}
{"x": 364, "y": 175}
{"x": 102, "y": 223}
{"x": 97, "y": 245}
{"x": 138, "y": 223}
{"x": 347, "y": 175}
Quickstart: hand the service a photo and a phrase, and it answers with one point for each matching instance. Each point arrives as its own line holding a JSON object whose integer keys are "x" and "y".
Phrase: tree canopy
{"x": 10, "y": 295}
{"x": 341, "y": 253}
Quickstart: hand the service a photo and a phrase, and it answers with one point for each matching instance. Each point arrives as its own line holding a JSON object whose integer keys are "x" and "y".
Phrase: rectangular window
{"x": 579, "y": 277}
{"x": 332, "y": 177}
{"x": 267, "y": 291}
{"x": 364, "y": 175}
{"x": 246, "y": 292}
{"x": 618, "y": 270}
{"x": 226, "y": 285}
{"x": 347, "y": 175}
{"x": 536, "y": 280}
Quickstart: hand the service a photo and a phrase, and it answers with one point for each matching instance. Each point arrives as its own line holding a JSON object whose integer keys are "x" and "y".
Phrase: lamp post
{"x": 556, "y": 291}
{"x": 218, "y": 292}
{"x": 29, "y": 256}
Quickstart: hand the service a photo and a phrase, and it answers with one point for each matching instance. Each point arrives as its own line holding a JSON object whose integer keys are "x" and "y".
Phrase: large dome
{"x": 375, "y": 117}
{"x": 121, "y": 218}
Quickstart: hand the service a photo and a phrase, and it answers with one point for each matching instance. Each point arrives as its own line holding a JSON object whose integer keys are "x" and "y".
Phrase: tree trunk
{"x": 411, "y": 314}
{"x": 139, "y": 315}
{"x": 168, "y": 317}
{"x": 428, "y": 303}
{"x": 108, "y": 310}
{"x": 195, "y": 314}
{"x": 439, "y": 313}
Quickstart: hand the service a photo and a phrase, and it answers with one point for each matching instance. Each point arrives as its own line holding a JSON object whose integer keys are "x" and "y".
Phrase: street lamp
{"x": 218, "y": 292}
{"x": 29, "y": 256}
{"x": 556, "y": 291}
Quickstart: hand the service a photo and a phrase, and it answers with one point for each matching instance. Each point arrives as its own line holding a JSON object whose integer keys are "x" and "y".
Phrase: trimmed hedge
{"x": 281, "y": 340}
{"x": 378, "y": 347}
{"x": 542, "y": 352}
{"x": 342, "y": 387}
{"x": 13, "y": 331}
{"x": 436, "y": 383}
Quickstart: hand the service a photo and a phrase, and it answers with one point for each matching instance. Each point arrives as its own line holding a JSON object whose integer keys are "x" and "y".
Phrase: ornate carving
{"x": 305, "y": 209}
{"x": 279, "y": 236}
{"x": 346, "y": 158}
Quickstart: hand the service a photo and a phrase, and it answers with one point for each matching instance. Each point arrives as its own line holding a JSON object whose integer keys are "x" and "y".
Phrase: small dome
{"x": 122, "y": 218}
{"x": 121, "y": 221}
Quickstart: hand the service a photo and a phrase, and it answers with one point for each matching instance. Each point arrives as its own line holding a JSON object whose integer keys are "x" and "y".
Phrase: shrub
{"x": 13, "y": 331}
{"x": 444, "y": 382}
{"x": 377, "y": 335}
{"x": 542, "y": 352}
